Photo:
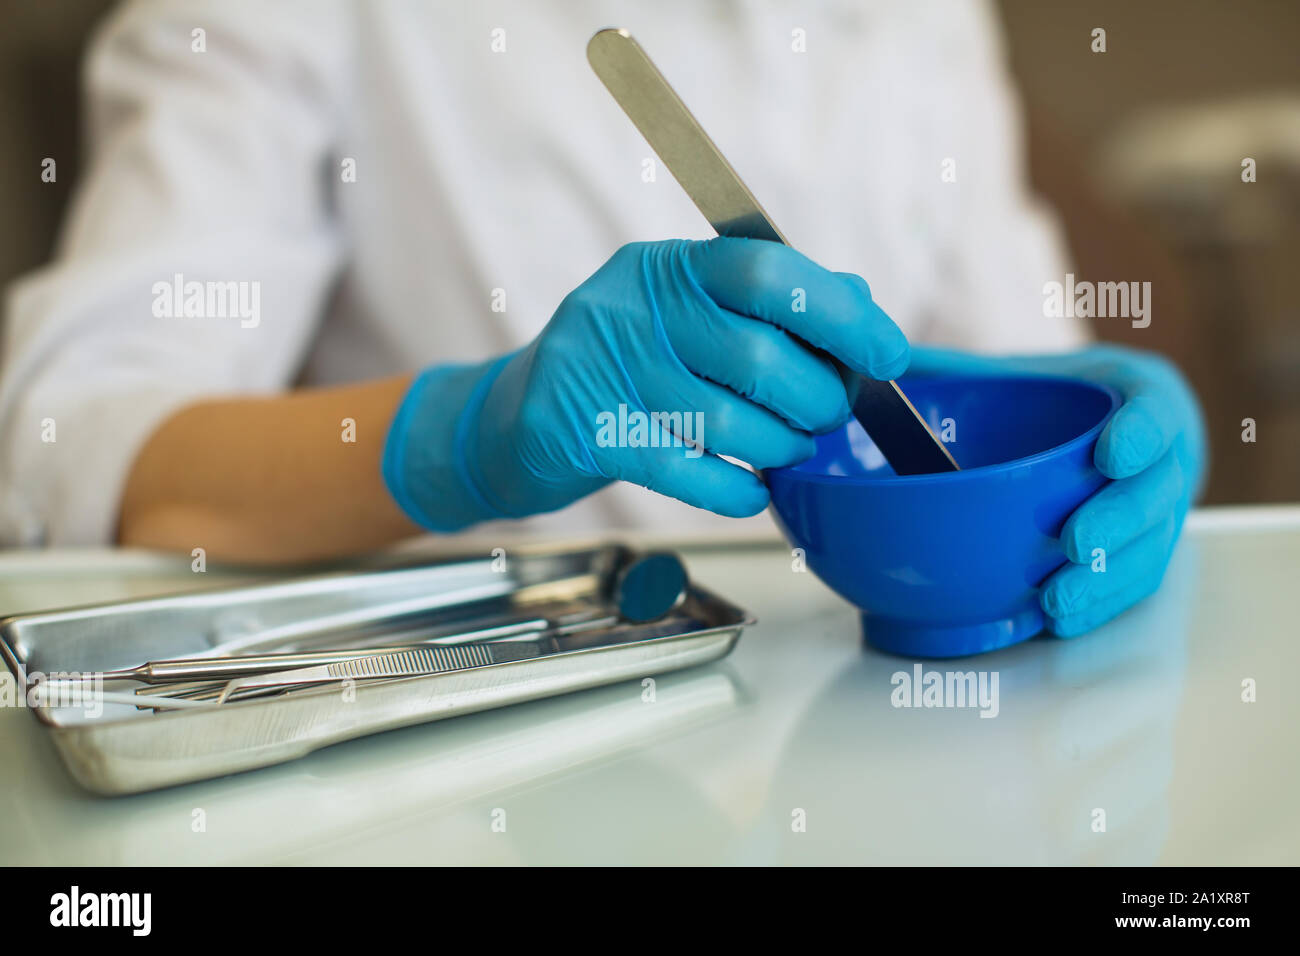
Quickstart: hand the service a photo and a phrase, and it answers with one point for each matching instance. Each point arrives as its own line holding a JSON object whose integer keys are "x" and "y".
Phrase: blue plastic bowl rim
{"x": 1090, "y": 435}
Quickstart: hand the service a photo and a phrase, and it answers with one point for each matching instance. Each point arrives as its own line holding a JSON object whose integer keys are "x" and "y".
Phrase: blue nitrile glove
{"x": 698, "y": 331}
{"x": 1154, "y": 447}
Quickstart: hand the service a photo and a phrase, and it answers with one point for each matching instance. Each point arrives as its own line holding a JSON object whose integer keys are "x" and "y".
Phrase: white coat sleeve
{"x": 1003, "y": 245}
{"x": 209, "y": 159}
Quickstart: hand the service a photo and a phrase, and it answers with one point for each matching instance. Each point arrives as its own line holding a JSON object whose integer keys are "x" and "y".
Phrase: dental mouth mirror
{"x": 886, "y": 414}
{"x": 648, "y": 587}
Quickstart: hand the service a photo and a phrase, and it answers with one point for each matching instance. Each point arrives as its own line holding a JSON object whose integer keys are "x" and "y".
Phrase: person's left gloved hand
{"x": 1154, "y": 448}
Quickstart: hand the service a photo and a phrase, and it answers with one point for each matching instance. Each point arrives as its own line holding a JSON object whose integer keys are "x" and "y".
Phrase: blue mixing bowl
{"x": 950, "y": 564}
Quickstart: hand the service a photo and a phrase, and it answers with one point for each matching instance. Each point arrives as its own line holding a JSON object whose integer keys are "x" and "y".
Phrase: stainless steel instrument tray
{"x": 126, "y": 750}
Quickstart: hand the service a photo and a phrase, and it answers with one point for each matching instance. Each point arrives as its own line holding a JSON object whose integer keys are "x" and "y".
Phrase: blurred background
{"x": 1139, "y": 149}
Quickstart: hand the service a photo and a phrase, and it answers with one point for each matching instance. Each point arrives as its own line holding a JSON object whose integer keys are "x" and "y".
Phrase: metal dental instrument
{"x": 52, "y": 688}
{"x": 417, "y": 662}
{"x": 644, "y": 590}
{"x": 196, "y": 676}
{"x": 410, "y": 662}
{"x": 405, "y": 663}
{"x": 210, "y": 669}
{"x": 886, "y": 414}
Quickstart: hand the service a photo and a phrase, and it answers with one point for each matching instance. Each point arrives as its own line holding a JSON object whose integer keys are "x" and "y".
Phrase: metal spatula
{"x": 893, "y": 423}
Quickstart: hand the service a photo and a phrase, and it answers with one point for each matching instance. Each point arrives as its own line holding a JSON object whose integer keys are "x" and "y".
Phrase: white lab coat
{"x": 482, "y": 176}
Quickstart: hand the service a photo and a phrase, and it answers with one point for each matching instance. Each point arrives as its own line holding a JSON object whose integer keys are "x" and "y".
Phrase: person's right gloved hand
{"x": 716, "y": 333}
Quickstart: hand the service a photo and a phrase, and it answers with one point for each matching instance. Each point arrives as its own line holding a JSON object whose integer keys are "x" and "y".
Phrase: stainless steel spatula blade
{"x": 893, "y": 423}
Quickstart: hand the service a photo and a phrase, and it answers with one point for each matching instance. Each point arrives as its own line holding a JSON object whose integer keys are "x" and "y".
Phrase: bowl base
{"x": 920, "y": 640}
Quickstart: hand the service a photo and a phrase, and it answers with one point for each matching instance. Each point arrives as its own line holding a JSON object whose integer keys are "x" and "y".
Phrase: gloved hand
{"x": 1154, "y": 447}
{"x": 698, "y": 331}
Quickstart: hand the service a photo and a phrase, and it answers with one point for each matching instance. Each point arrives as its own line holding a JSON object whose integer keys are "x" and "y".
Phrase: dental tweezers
{"x": 418, "y": 662}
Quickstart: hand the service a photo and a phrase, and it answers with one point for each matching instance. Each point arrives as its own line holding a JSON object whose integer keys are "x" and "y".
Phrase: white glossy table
{"x": 1143, "y": 719}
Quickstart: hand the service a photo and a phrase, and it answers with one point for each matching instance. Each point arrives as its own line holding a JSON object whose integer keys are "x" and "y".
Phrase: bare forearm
{"x": 291, "y": 477}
